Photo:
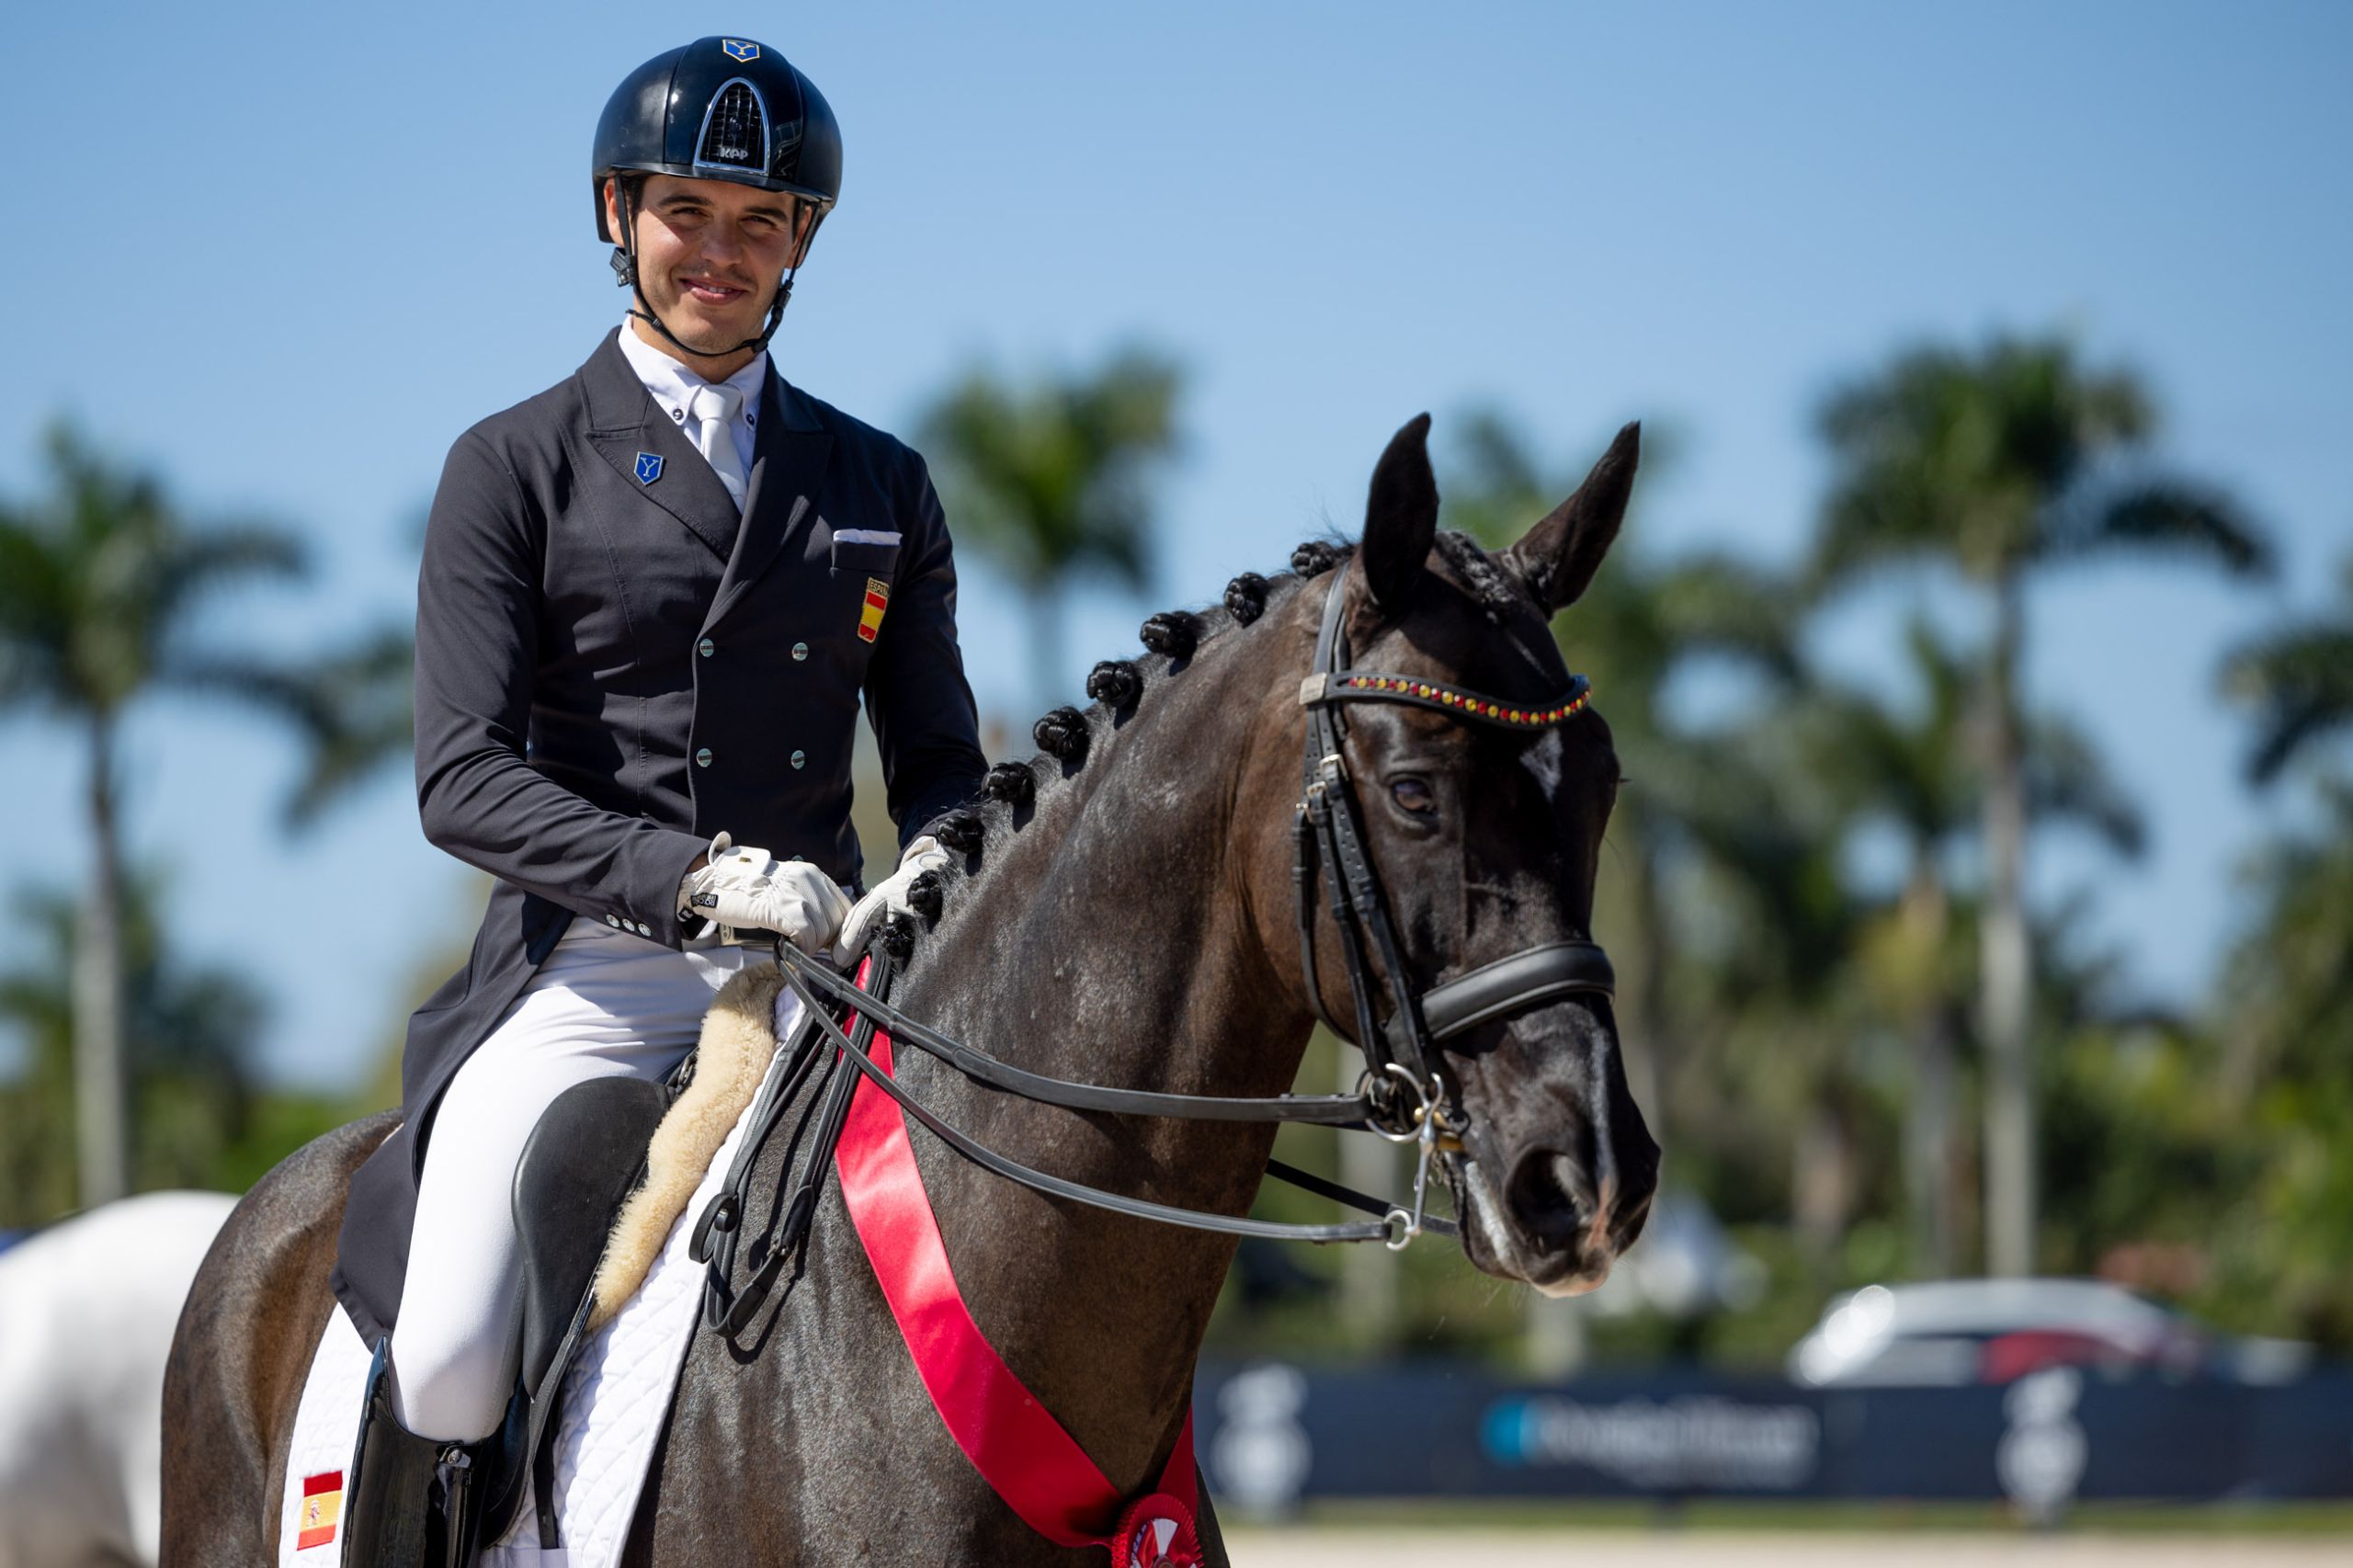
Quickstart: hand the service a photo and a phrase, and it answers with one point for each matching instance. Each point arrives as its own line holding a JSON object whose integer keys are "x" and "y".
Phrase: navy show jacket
{"x": 611, "y": 666}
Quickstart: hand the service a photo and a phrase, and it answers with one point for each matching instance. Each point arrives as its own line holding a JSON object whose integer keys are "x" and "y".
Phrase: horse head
{"x": 1485, "y": 839}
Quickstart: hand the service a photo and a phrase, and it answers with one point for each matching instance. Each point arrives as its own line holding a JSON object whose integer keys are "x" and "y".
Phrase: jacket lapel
{"x": 625, "y": 423}
{"x": 789, "y": 452}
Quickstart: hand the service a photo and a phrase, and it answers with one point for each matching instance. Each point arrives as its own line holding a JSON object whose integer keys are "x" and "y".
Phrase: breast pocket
{"x": 865, "y": 552}
{"x": 865, "y": 562}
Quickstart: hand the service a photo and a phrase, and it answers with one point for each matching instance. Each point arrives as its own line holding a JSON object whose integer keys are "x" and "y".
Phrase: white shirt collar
{"x": 672, "y": 383}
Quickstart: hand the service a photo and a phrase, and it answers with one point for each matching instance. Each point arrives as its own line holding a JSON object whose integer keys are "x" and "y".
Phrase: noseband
{"x": 1401, "y": 1097}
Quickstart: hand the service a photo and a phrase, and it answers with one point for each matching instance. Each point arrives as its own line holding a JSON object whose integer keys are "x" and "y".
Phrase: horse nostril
{"x": 1550, "y": 1195}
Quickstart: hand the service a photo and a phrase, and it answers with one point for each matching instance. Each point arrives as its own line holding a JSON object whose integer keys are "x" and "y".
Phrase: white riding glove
{"x": 924, "y": 855}
{"x": 750, "y": 889}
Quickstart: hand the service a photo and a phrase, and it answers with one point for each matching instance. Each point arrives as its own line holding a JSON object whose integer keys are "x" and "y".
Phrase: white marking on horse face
{"x": 1482, "y": 1209}
{"x": 1543, "y": 760}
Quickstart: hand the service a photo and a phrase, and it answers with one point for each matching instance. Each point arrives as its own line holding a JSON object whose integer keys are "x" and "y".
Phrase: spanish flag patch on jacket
{"x": 878, "y": 599}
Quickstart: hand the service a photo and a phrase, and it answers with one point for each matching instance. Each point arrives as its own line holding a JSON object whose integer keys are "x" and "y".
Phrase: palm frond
{"x": 2164, "y": 516}
{"x": 2299, "y": 683}
{"x": 2067, "y": 781}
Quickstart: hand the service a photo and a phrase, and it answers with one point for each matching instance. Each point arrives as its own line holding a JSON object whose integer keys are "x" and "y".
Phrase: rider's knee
{"x": 452, "y": 1388}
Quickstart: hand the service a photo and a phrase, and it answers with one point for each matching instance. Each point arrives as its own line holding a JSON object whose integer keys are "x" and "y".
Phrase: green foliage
{"x": 186, "y": 1031}
{"x": 2299, "y": 681}
{"x": 2003, "y": 459}
{"x": 1054, "y": 480}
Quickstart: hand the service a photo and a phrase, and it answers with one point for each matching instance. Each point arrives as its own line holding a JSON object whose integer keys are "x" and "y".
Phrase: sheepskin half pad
{"x": 738, "y": 1040}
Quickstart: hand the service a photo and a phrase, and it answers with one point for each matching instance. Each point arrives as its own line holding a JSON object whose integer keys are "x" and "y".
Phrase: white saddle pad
{"x": 615, "y": 1398}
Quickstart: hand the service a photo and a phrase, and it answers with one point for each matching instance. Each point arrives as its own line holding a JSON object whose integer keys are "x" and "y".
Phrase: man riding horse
{"x": 650, "y": 599}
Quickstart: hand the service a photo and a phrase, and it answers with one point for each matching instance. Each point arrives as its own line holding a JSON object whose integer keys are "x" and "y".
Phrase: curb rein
{"x": 1400, "y": 1097}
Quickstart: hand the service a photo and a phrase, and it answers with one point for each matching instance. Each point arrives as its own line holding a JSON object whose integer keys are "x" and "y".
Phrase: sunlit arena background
{"x": 272, "y": 261}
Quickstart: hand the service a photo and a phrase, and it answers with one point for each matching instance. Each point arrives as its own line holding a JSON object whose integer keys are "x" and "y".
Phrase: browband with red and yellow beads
{"x": 1372, "y": 686}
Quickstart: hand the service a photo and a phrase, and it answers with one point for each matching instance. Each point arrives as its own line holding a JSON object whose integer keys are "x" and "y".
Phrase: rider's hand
{"x": 923, "y": 855}
{"x": 750, "y": 889}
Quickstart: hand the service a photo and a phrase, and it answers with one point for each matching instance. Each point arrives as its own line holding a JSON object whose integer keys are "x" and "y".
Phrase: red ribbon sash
{"x": 1014, "y": 1441}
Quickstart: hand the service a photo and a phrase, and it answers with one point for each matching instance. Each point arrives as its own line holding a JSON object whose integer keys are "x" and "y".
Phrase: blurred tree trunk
{"x": 1822, "y": 1179}
{"x": 1043, "y": 605}
{"x": 98, "y": 1098}
{"x": 2006, "y": 977}
{"x": 1928, "y": 1124}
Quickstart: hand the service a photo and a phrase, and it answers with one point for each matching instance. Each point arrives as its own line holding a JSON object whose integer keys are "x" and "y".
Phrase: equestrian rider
{"x": 650, "y": 600}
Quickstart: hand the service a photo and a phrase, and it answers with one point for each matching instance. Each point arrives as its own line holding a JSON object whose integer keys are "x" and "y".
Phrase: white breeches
{"x": 604, "y": 1004}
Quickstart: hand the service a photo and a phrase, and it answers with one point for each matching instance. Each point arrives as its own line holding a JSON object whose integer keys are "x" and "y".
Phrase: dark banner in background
{"x": 1273, "y": 1434}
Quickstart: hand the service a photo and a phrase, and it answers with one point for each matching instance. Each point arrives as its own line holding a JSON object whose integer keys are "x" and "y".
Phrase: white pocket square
{"x": 865, "y": 536}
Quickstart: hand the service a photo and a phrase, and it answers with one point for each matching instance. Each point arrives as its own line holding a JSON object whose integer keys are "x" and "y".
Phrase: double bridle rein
{"x": 1400, "y": 1097}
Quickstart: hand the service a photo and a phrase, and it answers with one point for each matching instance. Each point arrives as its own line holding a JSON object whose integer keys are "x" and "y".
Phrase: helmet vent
{"x": 735, "y": 129}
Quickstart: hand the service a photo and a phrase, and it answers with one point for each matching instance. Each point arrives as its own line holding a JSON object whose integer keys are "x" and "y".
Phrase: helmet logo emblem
{"x": 649, "y": 467}
{"x": 739, "y": 48}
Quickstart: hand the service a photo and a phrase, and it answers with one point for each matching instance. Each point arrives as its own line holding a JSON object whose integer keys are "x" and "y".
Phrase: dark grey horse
{"x": 1130, "y": 924}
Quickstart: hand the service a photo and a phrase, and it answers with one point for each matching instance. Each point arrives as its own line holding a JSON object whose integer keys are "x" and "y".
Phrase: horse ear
{"x": 1400, "y": 517}
{"x": 1559, "y": 556}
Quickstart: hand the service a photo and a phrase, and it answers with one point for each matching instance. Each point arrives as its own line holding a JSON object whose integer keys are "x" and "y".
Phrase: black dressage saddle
{"x": 584, "y": 1158}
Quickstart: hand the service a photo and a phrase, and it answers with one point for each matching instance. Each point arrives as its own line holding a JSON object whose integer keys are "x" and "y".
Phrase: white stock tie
{"x": 714, "y": 412}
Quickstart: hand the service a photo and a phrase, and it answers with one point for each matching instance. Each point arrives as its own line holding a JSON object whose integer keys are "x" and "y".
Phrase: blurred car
{"x": 1953, "y": 1332}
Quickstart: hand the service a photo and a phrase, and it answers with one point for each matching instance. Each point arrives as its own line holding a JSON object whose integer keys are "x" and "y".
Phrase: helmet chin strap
{"x": 624, "y": 261}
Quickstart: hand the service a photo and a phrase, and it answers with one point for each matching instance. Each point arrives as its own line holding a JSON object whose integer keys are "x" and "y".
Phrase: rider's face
{"x": 710, "y": 253}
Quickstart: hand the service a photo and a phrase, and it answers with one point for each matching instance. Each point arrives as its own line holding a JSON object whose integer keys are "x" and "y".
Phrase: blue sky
{"x": 286, "y": 254}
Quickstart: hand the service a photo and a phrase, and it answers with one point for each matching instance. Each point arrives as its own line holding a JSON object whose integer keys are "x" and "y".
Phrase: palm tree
{"x": 1916, "y": 772}
{"x": 2005, "y": 463}
{"x": 2299, "y": 682}
{"x": 1053, "y": 480}
{"x": 100, "y": 581}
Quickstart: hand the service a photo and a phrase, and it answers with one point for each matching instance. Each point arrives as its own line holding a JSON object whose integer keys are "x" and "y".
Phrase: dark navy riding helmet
{"x": 721, "y": 109}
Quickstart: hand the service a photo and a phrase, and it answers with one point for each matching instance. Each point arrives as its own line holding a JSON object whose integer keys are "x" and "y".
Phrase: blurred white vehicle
{"x": 1953, "y": 1332}
{"x": 86, "y": 1312}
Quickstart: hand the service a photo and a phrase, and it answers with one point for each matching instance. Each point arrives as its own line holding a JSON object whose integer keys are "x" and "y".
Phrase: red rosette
{"x": 1156, "y": 1531}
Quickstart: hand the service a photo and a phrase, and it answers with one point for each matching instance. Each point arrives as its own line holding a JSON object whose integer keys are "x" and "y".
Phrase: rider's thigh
{"x": 603, "y": 1006}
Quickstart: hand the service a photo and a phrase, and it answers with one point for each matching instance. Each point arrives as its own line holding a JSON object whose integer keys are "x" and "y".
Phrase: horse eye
{"x": 1414, "y": 796}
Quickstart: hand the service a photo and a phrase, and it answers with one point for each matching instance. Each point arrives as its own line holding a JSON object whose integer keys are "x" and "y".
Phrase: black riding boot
{"x": 411, "y": 1502}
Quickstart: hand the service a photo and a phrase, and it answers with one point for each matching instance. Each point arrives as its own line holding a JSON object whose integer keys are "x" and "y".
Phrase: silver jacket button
{"x": 703, "y": 757}
{"x": 799, "y": 758}
{"x": 706, "y": 647}
{"x": 801, "y": 649}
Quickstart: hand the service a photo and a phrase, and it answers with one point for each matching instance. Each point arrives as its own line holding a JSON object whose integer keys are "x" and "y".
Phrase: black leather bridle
{"x": 1404, "y": 1055}
{"x": 1401, "y": 1097}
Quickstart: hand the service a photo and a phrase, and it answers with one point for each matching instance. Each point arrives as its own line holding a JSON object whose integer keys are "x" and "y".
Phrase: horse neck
{"x": 1116, "y": 936}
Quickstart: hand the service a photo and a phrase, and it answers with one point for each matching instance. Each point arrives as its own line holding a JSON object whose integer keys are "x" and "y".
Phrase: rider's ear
{"x": 1400, "y": 517}
{"x": 1559, "y": 556}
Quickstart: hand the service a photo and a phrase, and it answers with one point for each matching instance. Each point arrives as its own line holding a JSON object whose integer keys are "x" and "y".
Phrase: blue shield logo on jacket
{"x": 649, "y": 467}
{"x": 739, "y": 49}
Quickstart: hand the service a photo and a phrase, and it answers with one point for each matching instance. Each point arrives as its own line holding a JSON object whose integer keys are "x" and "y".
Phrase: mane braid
{"x": 1066, "y": 733}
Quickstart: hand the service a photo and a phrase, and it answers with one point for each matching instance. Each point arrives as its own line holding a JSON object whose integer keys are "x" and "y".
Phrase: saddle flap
{"x": 580, "y": 1163}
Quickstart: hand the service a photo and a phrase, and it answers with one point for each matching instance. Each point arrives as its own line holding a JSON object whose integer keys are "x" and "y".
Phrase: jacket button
{"x": 706, "y": 647}
{"x": 613, "y": 921}
{"x": 799, "y": 758}
{"x": 801, "y": 649}
{"x": 703, "y": 757}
